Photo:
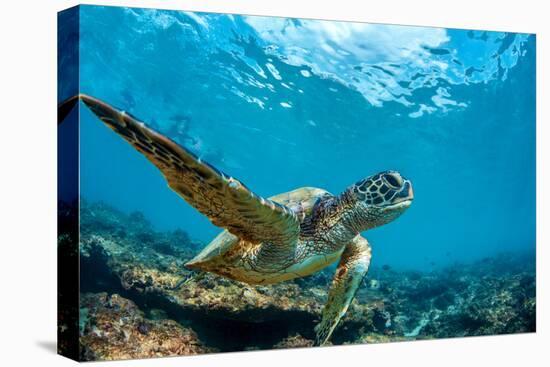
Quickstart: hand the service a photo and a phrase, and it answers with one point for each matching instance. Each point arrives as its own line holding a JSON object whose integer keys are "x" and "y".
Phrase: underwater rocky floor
{"x": 134, "y": 303}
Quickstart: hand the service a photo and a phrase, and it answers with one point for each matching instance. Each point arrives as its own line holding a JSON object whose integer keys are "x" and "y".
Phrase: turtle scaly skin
{"x": 266, "y": 241}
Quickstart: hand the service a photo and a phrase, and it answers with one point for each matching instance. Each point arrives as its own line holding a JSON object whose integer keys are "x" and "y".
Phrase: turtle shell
{"x": 301, "y": 201}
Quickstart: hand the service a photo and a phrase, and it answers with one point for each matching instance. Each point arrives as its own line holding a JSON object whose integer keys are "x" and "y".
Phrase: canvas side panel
{"x": 68, "y": 187}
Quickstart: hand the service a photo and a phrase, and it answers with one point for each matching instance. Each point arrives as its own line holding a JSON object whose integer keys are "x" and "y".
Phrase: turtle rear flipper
{"x": 351, "y": 270}
{"x": 223, "y": 199}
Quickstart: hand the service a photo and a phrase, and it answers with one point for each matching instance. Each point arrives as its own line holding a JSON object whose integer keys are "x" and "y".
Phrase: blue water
{"x": 284, "y": 103}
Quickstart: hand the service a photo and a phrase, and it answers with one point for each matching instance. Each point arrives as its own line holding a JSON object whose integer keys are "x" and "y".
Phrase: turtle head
{"x": 379, "y": 199}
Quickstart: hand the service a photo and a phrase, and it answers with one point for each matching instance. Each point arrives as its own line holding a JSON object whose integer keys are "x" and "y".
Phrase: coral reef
{"x": 139, "y": 267}
{"x": 494, "y": 296}
{"x": 128, "y": 250}
{"x": 114, "y": 328}
{"x": 294, "y": 341}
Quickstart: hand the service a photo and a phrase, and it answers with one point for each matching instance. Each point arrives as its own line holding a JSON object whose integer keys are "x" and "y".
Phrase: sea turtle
{"x": 266, "y": 241}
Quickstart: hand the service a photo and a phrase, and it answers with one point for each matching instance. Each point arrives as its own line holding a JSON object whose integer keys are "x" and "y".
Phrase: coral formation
{"x": 114, "y": 328}
{"x": 294, "y": 341}
{"x": 141, "y": 268}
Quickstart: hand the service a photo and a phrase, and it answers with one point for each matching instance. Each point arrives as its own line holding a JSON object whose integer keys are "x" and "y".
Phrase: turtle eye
{"x": 394, "y": 180}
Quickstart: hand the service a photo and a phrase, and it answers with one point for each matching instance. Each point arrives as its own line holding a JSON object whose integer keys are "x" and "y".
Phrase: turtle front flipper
{"x": 351, "y": 270}
{"x": 223, "y": 199}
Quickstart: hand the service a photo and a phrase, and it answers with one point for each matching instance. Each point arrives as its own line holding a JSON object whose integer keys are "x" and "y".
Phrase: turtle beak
{"x": 406, "y": 193}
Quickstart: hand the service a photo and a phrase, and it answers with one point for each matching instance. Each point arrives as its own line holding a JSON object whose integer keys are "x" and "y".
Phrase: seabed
{"x": 135, "y": 304}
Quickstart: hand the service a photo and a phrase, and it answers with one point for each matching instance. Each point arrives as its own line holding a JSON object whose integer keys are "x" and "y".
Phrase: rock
{"x": 294, "y": 341}
{"x": 116, "y": 329}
